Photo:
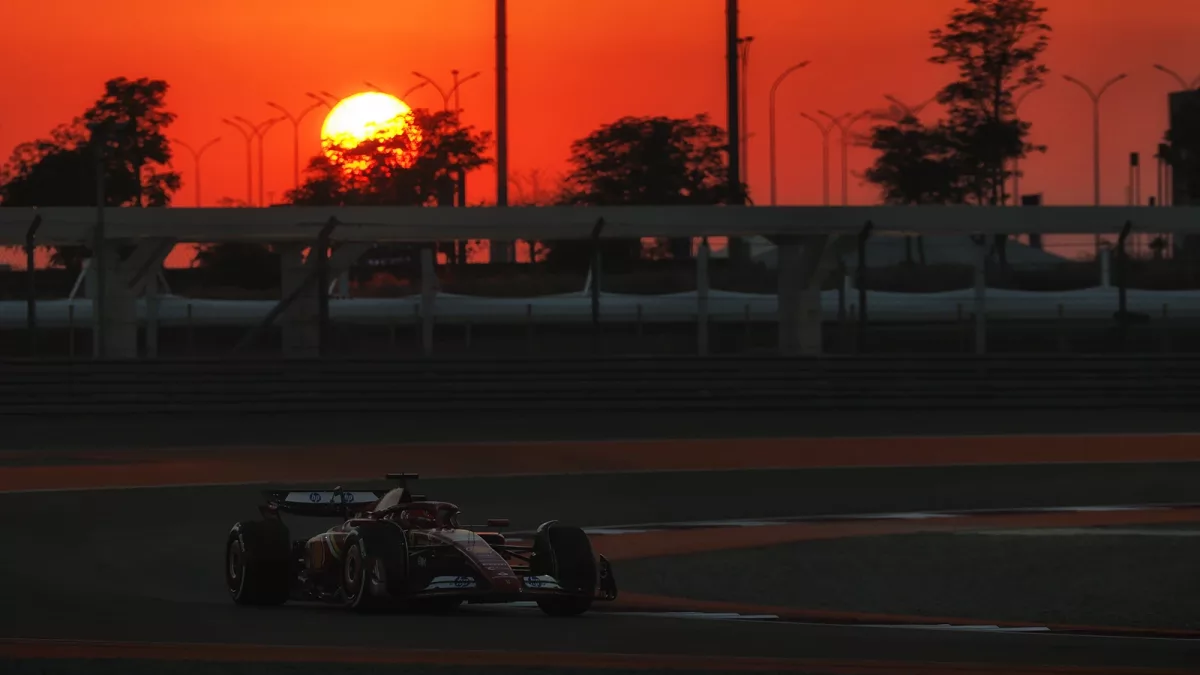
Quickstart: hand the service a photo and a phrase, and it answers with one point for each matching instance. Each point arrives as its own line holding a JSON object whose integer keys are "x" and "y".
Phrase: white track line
{"x": 1082, "y": 532}
{"x": 787, "y": 520}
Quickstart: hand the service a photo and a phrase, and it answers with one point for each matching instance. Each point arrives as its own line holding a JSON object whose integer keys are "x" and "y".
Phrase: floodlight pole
{"x": 771, "y": 126}
{"x": 197, "y": 154}
{"x": 1095, "y": 97}
{"x": 1194, "y": 84}
{"x": 260, "y": 131}
{"x": 826, "y": 130}
{"x": 844, "y": 123}
{"x": 295, "y": 120}
{"x": 249, "y": 158}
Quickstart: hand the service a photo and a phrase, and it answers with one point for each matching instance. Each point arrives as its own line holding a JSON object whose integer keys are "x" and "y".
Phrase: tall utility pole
{"x": 744, "y": 114}
{"x": 732, "y": 103}
{"x": 501, "y": 121}
{"x": 736, "y": 247}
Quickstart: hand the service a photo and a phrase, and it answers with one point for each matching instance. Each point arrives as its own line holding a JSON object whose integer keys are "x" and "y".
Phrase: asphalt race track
{"x": 158, "y": 431}
{"x": 145, "y": 566}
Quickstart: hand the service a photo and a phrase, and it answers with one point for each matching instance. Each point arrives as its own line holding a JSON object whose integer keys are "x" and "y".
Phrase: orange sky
{"x": 574, "y": 65}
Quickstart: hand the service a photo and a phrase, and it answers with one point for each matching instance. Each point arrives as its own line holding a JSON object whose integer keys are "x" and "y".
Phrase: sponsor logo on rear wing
{"x": 331, "y": 497}
{"x": 322, "y": 502}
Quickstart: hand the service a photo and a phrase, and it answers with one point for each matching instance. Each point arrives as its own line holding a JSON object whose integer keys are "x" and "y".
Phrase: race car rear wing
{"x": 321, "y": 503}
{"x": 337, "y": 502}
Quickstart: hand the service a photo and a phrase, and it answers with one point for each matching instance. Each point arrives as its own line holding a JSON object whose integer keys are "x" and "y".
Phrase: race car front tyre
{"x": 357, "y": 571}
{"x": 256, "y": 563}
{"x": 565, "y": 553}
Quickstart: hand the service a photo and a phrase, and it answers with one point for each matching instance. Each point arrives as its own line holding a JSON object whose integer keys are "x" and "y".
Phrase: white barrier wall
{"x": 724, "y": 306}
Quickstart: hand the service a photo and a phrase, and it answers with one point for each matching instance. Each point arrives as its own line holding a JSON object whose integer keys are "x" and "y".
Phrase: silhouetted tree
{"x": 421, "y": 166}
{"x": 125, "y": 129}
{"x": 645, "y": 161}
{"x": 915, "y": 166}
{"x": 995, "y": 46}
{"x": 418, "y": 167}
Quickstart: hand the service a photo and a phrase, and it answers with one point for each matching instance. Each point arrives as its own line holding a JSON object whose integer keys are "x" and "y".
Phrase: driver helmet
{"x": 418, "y": 517}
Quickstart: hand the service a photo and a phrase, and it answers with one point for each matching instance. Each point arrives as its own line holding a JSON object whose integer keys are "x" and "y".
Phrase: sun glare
{"x": 370, "y": 115}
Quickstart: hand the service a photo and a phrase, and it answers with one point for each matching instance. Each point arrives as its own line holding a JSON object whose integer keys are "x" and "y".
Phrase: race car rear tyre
{"x": 257, "y": 568}
{"x": 565, "y": 553}
{"x": 358, "y": 569}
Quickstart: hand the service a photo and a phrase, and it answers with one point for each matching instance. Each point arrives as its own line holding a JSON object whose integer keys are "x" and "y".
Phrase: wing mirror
{"x": 497, "y": 522}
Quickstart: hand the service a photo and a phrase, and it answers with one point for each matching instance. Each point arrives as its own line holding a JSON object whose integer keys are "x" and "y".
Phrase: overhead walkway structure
{"x": 809, "y": 241}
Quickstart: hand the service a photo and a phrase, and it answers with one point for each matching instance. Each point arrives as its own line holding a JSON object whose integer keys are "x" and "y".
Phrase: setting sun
{"x": 370, "y": 115}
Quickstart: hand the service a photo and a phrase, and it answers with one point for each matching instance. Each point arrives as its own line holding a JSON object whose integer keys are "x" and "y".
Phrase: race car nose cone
{"x": 510, "y": 584}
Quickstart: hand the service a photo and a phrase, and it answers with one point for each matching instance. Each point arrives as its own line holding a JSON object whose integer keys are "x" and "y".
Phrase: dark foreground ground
{"x": 145, "y": 565}
{"x": 101, "y": 667}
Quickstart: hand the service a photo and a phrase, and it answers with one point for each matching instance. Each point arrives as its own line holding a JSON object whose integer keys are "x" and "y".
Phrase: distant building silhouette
{"x": 1184, "y": 138}
{"x": 1185, "y": 145}
{"x": 1035, "y": 238}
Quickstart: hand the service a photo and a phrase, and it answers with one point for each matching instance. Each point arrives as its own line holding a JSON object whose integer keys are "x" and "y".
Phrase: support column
{"x": 304, "y": 295}
{"x": 981, "y": 295}
{"x": 152, "y": 314}
{"x": 115, "y": 318}
{"x": 140, "y": 274}
{"x": 428, "y": 298}
{"x": 31, "y": 284}
{"x": 702, "y": 256}
{"x": 299, "y": 321}
{"x": 804, "y": 263}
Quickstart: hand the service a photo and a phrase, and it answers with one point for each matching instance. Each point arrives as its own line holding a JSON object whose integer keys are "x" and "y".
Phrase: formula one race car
{"x": 397, "y": 549}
